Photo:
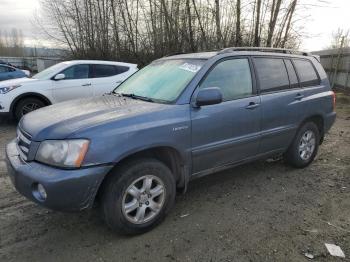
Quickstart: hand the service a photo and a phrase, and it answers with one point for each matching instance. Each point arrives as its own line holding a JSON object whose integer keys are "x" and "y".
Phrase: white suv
{"x": 61, "y": 82}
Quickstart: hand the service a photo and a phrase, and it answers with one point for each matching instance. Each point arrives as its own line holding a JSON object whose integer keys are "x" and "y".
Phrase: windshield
{"x": 45, "y": 74}
{"x": 161, "y": 81}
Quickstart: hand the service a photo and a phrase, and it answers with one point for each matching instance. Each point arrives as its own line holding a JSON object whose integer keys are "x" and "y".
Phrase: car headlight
{"x": 6, "y": 89}
{"x": 62, "y": 153}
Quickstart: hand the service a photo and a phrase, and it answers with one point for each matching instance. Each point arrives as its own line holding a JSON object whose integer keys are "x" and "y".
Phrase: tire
{"x": 120, "y": 209}
{"x": 27, "y": 105}
{"x": 301, "y": 153}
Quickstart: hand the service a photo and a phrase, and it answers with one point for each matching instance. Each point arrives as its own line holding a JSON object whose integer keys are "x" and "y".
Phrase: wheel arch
{"x": 319, "y": 121}
{"x": 29, "y": 94}
{"x": 168, "y": 155}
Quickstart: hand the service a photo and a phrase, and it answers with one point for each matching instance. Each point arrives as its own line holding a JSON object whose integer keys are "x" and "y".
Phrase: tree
{"x": 238, "y": 23}
{"x": 218, "y": 23}
{"x": 289, "y": 20}
{"x": 142, "y": 30}
{"x": 340, "y": 38}
{"x": 275, "y": 9}
{"x": 11, "y": 42}
{"x": 257, "y": 23}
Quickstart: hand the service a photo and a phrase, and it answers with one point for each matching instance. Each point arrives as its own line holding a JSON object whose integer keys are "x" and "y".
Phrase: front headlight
{"x": 62, "y": 153}
{"x": 4, "y": 90}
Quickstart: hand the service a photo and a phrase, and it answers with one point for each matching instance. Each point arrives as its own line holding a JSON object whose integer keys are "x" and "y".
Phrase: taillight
{"x": 334, "y": 99}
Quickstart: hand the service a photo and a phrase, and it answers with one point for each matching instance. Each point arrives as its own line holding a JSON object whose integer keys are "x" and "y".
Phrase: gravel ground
{"x": 263, "y": 211}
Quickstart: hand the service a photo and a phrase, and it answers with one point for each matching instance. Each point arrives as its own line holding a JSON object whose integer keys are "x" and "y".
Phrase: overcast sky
{"x": 18, "y": 14}
{"x": 318, "y": 27}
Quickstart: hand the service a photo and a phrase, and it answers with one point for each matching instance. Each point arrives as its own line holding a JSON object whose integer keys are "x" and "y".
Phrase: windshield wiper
{"x": 133, "y": 96}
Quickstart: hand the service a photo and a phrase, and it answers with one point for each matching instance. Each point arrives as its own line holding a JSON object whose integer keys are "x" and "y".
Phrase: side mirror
{"x": 59, "y": 77}
{"x": 209, "y": 96}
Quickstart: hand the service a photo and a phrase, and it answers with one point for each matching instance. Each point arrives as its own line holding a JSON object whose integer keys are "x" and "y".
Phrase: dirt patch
{"x": 263, "y": 211}
{"x": 342, "y": 98}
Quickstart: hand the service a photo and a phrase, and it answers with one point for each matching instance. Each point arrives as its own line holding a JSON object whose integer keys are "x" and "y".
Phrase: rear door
{"x": 227, "y": 132}
{"x": 314, "y": 98}
{"x": 76, "y": 84}
{"x": 107, "y": 77}
{"x": 281, "y": 102}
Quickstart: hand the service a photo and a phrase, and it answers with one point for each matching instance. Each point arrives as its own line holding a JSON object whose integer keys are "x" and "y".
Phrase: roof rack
{"x": 264, "y": 49}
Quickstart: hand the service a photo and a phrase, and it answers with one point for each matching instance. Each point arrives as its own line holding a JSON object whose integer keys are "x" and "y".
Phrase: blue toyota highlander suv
{"x": 179, "y": 118}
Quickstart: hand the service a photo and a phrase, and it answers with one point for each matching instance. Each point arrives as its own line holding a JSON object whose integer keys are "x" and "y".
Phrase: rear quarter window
{"x": 306, "y": 72}
{"x": 272, "y": 74}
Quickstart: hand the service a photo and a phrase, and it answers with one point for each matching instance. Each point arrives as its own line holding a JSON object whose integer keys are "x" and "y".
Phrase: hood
{"x": 61, "y": 120}
{"x": 17, "y": 81}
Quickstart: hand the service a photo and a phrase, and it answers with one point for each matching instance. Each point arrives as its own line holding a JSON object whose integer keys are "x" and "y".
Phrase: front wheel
{"x": 26, "y": 106}
{"x": 304, "y": 147}
{"x": 138, "y": 196}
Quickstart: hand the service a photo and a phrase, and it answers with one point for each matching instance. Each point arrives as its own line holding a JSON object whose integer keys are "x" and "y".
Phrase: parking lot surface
{"x": 264, "y": 211}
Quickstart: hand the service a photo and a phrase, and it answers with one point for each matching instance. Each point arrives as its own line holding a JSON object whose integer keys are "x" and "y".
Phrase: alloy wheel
{"x": 307, "y": 145}
{"x": 143, "y": 199}
{"x": 29, "y": 108}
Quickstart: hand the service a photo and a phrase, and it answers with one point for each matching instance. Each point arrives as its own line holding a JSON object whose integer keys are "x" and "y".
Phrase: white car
{"x": 61, "y": 82}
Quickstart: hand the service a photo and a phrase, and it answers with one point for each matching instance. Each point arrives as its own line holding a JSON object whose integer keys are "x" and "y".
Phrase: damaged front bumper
{"x": 66, "y": 190}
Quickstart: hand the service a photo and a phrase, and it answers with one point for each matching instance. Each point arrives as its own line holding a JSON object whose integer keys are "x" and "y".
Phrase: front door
{"x": 76, "y": 84}
{"x": 228, "y": 132}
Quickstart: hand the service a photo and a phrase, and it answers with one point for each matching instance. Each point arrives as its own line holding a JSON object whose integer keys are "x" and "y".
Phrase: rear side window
{"x": 108, "y": 70}
{"x": 232, "y": 77}
{"x": 293, "y": 79}
{"x": 306, "y": 73}
{"x": 272, "y": 74}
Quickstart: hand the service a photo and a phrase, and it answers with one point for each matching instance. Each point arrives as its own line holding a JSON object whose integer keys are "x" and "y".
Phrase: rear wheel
{"x": 27, "y": 105}
{"x": 138, "y": 196}
{"x": 304, "y": 147}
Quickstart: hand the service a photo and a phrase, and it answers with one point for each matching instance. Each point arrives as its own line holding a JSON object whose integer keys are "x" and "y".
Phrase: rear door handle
{"x": 252, "y": 105}
{"x": 299, "y": 97}
{"x": 88, "y": 84}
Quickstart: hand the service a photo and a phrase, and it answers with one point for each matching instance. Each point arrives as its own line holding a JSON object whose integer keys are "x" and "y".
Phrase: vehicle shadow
{"x": 7, "y": 120}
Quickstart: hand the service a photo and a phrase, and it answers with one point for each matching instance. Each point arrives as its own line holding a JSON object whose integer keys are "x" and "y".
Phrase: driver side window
{"x": 233, "y": 77}
{"x": 76, "y": 72}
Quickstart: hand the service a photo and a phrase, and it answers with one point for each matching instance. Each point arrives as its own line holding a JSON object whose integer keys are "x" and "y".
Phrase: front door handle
{"x": 88, "y": 84}
{"x": 299, "y": 97}
{"x": 252, "y": 105}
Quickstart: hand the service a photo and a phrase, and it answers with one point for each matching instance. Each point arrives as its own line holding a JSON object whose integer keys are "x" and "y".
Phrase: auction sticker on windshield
{"x": 190, "y": 67}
